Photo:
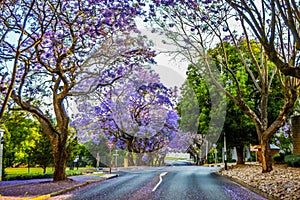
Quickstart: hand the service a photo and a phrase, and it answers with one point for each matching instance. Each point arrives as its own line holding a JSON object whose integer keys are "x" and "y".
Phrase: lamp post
{"x": 206, "y": 151}
{"x": 216, "y": 152}
{"x": 1, "y": 151}
{"x": 225, "y": 152}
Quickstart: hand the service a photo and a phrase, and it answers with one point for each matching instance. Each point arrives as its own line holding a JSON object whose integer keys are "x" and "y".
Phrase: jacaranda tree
{"x": 47, "y": 45}
{"x": 137, "y": 113}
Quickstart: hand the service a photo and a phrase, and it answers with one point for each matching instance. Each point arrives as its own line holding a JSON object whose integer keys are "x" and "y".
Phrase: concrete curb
{"x": 253, "y": 189}
{"x": 53, "y": 194}
{"x": 81, "y": 185}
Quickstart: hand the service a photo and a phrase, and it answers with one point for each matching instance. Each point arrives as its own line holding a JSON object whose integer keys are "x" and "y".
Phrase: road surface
{"x": 176, "y": 182}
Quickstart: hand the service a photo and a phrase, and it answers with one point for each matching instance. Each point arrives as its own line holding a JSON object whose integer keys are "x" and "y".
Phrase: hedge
{"x": 292, "y": 160}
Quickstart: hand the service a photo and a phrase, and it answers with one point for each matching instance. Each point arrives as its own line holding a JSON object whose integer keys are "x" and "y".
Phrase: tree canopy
{"x": 51, "y": 51}
{"x": 197, "y": 27}
{"x": 47, "y": 47}
{"x": 138, "y": 114}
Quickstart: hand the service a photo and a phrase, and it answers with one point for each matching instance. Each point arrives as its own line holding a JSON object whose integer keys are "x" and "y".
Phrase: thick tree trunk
{"x": 198, "y": 160}
{"x": 60, "y": 161}
{"x": 266, "y": 156}
{"x": 130, "y": 156}
{"x": 140, "y": 157}
{"x": 130, "y": 159}
{"x": 240, "y": 155}
{"x": 161, "y": 160}
{"x": 150, "y": 161}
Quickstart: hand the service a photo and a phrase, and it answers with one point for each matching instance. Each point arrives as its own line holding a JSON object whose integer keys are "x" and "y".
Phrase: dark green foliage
{"x": 195, "y": 106}
{"x": 240, "y": 131}
{"x": 25, "y": 142}
{"x": 278, "y": 158}
{"x": 42, "y": 154}
{"x": 292, "y": 160}
{"x": 84, "y": 157}
{"x": 211, "y": 158}
{"x": 20, "y": 137}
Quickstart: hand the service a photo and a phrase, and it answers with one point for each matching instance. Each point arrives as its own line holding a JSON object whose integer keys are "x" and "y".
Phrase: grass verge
{"x": 34, "y": 173}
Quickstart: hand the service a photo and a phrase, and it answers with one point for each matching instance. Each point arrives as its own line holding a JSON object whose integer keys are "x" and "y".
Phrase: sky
{"x": 172, "y": 70}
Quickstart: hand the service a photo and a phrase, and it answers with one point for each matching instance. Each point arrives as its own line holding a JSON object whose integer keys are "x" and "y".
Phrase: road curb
{"x": 79, "y": 185}
{"x": 253, "y": 189}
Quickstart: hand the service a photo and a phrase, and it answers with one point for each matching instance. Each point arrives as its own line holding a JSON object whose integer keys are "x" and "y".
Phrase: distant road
{"x": 178, "y": 182}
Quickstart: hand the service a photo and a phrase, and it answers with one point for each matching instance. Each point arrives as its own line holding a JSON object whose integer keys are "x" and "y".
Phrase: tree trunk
{"x": 140, "y": 157}
{"x": 130, "y": 157}
{"x": 155, "y": 159}
{"x": 266, "y": 156}
{"x": 60, "y": 161}
{"x": 198, "y": 160}
{"x": 58, "y": 138}
{"x": 150, "y": 161}
{"x": 240, "y": 155}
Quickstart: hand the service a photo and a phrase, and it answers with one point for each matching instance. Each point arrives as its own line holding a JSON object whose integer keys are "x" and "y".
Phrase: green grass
{"x": 22, "y": 170}
{"x": 35, "y": 172}
{"x": 95, "y": 174}
{"x": 171, "y": 158}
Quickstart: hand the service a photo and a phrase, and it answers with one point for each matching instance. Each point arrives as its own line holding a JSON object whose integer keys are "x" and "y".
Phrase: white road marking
{"x": 160, "y": 180}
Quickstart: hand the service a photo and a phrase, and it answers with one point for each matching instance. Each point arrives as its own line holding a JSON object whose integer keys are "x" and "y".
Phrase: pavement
{"x": 82, "y": 180}
{"x": 79, "y": 178}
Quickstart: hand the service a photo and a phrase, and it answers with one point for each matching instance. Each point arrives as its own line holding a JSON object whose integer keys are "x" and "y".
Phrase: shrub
{"x": 292, "y": 160}
{"x": 74, "y": 172}
{"x": 278, "y": 158}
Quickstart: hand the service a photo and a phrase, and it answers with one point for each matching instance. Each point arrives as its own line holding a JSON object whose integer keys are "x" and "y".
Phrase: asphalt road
{"x": 178, "y": 182}
{"x": 191, "y": 183}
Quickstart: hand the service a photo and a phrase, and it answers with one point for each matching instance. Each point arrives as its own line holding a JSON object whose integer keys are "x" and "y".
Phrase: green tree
{"x": 238, "y": 127}
{"x": 196, "y": 28}
{"x": 239, "y": 130}
{"x": 25, "y": 142}
{"x": 20, "y": 137}
{"x": 85, "y": 156}
{"x": 41, "y": 154}
{"x": 194, "y": 109}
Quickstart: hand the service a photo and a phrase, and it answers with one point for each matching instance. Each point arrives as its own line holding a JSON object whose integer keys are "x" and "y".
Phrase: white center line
{"x": 160, "y": 180}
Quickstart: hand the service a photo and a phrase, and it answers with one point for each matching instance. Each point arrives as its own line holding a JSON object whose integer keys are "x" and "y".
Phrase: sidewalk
{"x": 46, "y": 188}
{"x": 37, "y": 189}
{"x": 79, "y": 178}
